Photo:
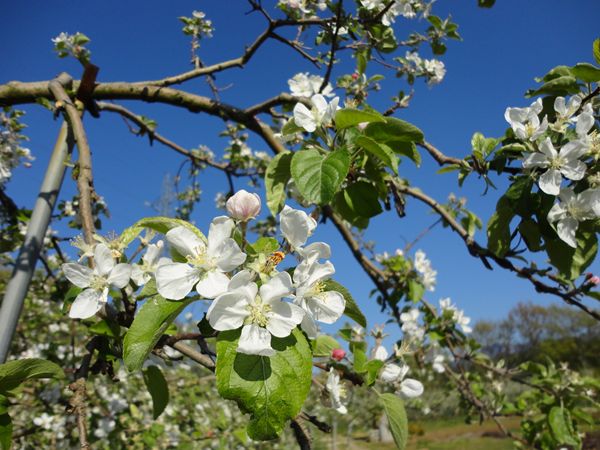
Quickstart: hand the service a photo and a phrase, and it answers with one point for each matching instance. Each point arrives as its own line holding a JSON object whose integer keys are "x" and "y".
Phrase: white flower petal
{"x": 557, "y": 212}
{"x": 255, "y": 340}
{"x": 138, "y": 276}
{"x": 87, "y": 304}
{"x": 296, "y": 226}
{"x": 536, "y": 160}
{"x": 277, "y": 287}
{"x": 327, "y": 307}
{"x": 411, "y": 388}
{"x": 119, "y": 275}
{"x": 550, "y": 181}
{"x": 228, "y": 311}
{"x": 229, "y": 256}
{"x": 548, "y": 149}
{"x": 212, "y": 284}
{"x": 566, "y": 229}
{"x": 242, "y": 278}
{"x": 77, "y": 274}
{"x": 174, "y": 281}
{"x": 573, "y": 150}
{"x": 220, "y": 230}
{"x": 103, "y": 259}
{"x": 304, "y": 118}
{"x": 283, "y": 318}
{"x": 316, "y": 250}
{"x": 585, "y": 122}
{"x": 185, "y": 241}
{"x": 573, "y": 170}
{"x": 309, "y": 326}
{"x": 391, "y": 373}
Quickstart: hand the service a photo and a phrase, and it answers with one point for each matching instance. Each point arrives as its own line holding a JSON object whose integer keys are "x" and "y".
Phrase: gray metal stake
{"x": 17, "y": 287}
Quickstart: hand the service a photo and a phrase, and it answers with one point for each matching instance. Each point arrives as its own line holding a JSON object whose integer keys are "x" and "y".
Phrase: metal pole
{"x": 16, "y": 290}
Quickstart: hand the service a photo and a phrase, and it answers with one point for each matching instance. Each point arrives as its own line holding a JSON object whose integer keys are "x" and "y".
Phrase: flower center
{"x": 201, "y": 259}
{"x": 258, "y": 312}
{"x": 98, "y": 283}
{"x": 556, "y": 162}
{"x": 317, "y": 290}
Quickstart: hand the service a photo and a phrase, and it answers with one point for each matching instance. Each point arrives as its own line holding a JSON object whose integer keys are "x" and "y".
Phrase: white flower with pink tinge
{"x": 243, "y": 205}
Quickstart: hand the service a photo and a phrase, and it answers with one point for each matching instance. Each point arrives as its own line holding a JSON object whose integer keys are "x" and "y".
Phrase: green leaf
{"x": 586, "y": 72}
{"x": 362, "y": 199}
{"x": 373, "y": 368}
{"x": 562, "y": 85}
{"x": 498, "y": 228}
{"x": 6, "y": 429}
{"x": 149, "y": 290}
{"x": 13, "y": 373}
{"x": 486, "y": 3}
{"x": 396, "y": 414}
{"x": 149, "y": 324}
{"x": 415, "y": 290}
{"x": 394, "y": 130}
{"x": 381, "y": 151}
{"x": 596, "y": 50}
{"x": 345, "y": 118}
{"x": 323, "y": 345}
{"x": 408, "y": 149}
{"x": 290, "y": 127}
{"x": 271, "y": 389}
{"x": 276, "y": 179}
{"x": 352, "y": 310}
{"x": 342, "y": 208}
{"x": 572, "y": 262}
{"x": 106, "y": 328}
{"x": 158, "y": 388}
{"x": 160, "y": 224}
{"x": 530, "y": 231}
{"x": 560, "y": 426}
{"x": 359, "y": 356}
{"x": 265, "y": 245}
{"x": 319, "y": 177}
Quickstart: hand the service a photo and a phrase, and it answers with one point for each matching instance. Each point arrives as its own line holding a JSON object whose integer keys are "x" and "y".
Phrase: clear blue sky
{"x": 504, "y": 48}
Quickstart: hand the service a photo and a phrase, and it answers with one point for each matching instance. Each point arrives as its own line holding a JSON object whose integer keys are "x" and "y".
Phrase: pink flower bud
{"x": 595, "y": 280}
{"x": 243, "y": 205}
{"x": 589, "y": 275}
{"x": 338, "y": 354}
{"x": 355, "y": 76}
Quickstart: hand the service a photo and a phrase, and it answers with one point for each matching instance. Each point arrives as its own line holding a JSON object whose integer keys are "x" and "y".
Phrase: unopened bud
{"x": 595, "y": 280}
{"x": 338, "y": 354}
{"x": 243, "y": 205}
{"x": 355, "y": 76}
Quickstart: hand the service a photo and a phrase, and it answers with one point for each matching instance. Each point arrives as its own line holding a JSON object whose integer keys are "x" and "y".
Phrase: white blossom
{"x": 571, "y": 209}
{"x": 525, "y": 121}
{"x": 306, "y": 85}
{"x": 410, "y": 325}
{"x": 564, "y": 163}
{"x": 336, "y": 391}
{"x": 379, "y": 352}
{"x": 423, "y": 266}
{"x": 407, "y": 387}
{"x": 320, "y": 304}
{"x": 457, "y": 315}
{"x": 207, "y": 263}
{"x": 144, "y": 272}
{"x": 95, "y": 282}
{"x": 321, "y": 113}
{"x": 260, "y": 312}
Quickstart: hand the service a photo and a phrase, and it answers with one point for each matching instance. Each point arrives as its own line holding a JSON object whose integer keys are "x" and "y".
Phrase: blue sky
{"x": 503, "y": 49}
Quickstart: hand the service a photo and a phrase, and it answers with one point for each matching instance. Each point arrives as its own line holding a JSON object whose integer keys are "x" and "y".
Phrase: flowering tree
{"x": 266, "y": 284}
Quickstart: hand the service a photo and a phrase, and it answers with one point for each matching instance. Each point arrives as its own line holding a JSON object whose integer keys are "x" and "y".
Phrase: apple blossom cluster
{"x": 456, "y": 315}
{"x": 307, "y": 85}
{"x": 558, "y": 155}
{"x": 423, "y": 267}
{"x": 415, "y": 66}
{"x": 66, "y": 44}
{"x": 306, "y": 7}
{"x": 197, "y": 25}
{"x": 246, "y": 293}
{"x": 405, "y": 8}
{"x": 12, "y": 154}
